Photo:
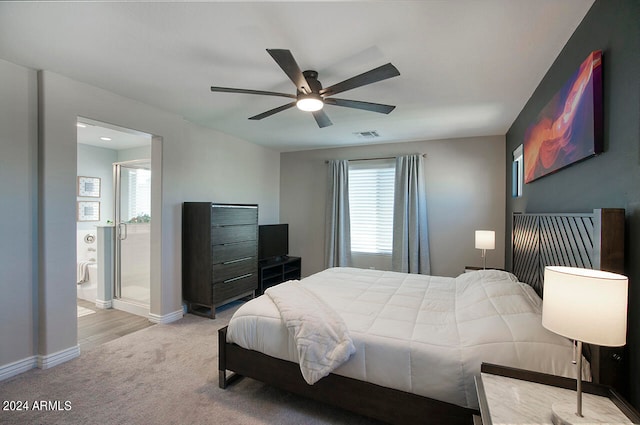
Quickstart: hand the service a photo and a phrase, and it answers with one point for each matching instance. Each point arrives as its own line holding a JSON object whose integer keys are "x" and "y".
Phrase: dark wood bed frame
{"x": 594, "y": 240}
{"x": 385, "y": 404}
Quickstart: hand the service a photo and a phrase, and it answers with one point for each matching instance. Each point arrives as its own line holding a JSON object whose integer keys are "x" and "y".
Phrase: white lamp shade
{"x": 485, "y": 239}
{"x": 585, "y": 305}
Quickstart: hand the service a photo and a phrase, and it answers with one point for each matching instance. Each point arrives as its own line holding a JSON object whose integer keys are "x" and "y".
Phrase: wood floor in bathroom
{"x": 105, "y": 325}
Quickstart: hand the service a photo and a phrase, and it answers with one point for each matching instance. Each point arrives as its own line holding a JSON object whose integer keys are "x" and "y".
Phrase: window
{"x": 139, "y": 194}
{"x": 517, "y": 176}
{"x": 371, "y": 185}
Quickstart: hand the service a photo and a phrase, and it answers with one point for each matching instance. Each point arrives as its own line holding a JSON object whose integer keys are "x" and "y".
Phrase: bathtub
{"x": 89, "y": 290}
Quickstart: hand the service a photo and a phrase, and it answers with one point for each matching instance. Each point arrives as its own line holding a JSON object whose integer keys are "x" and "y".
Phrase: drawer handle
{"x": 233, "y": 279}
{"x": 237, "y": 261}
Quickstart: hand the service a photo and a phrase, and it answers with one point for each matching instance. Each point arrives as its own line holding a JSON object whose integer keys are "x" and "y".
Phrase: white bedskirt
{"x": 425, "y": 335}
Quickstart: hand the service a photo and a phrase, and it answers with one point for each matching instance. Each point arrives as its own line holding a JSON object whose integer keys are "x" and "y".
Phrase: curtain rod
{"x": 424, "y": 155}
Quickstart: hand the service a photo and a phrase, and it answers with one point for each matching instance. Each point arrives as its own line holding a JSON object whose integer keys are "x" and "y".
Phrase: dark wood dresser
{"x": 219, "y": 254}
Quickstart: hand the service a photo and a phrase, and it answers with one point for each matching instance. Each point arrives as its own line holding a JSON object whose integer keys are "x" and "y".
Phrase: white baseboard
{"x": 41, "y": 361}
{"x": 131, "y": 307}
{"x": 50, "y": 360}
{"x": 104, "y": 304}
{"x": 142, "y": 310}
{"x": 18, "y": 367}
{"x": 166, "y": 318}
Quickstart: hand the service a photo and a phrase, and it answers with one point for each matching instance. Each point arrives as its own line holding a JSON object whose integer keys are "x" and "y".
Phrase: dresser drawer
{"x": 234, "y": 268}
{"x": 228, "y": 234}
{"x": 232, "y": 251}
{"x": 223, "y": 291}
{"x": 223, "y": 215}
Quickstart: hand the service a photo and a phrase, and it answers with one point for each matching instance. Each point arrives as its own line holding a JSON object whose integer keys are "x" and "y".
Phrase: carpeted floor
{"x": 163, "y": 374}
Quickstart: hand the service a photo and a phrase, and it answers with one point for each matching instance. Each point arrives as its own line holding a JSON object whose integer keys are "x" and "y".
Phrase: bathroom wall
{"x": 97, "y": 162}
{"x": 86, "y": 247}
{"x": 143, "y": 152}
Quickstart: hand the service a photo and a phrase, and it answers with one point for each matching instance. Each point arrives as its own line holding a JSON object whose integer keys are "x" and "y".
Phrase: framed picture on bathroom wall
{"x": 88, "y": 211}
{"x": 89, "y": 186}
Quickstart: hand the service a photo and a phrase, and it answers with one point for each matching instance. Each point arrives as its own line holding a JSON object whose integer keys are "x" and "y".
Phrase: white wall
{"x": 197, "y": 164}
{"x": 224, "y": 169}
{"x": 465, "y": 181}
{"x": 18, "y": 203}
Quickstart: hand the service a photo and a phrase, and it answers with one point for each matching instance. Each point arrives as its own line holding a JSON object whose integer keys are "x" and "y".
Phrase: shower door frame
{"x": 127, "y": 304}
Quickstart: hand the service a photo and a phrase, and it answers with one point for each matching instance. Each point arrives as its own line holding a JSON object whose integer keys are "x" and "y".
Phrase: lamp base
{"x": 565, "y": 414}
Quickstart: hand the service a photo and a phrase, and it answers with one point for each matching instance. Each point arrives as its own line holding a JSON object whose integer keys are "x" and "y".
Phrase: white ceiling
{"x": 467, "y": 66}
{"x": 90, "y": 132}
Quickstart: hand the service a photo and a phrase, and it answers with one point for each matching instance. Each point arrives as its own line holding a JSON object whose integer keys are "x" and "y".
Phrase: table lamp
{"x": 587, "y": 306}
{"x": 485, "y": 239}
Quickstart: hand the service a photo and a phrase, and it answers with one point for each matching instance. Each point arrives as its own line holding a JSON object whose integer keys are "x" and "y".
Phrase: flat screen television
{"x": 273, "y": 241}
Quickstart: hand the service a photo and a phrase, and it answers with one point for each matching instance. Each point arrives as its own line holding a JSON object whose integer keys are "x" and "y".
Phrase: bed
{"x": 401, "y": 371}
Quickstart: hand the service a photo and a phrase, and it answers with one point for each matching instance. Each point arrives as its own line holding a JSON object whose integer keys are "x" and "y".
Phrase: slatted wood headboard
{"x": 594, "y": 241}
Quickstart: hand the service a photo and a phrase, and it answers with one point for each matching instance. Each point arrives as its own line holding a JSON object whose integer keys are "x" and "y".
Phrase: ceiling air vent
{"x": 367, "y": 134}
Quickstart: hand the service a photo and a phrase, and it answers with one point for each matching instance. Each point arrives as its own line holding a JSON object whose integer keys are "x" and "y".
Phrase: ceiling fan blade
{"x": 367, "y": 106}
{"x": 378, "y": 74}
{"x": 247, "y": 91}
{"x": 285, "y": 59}
{"x": 273, "y": 111}
{"x": 322, "y": 118}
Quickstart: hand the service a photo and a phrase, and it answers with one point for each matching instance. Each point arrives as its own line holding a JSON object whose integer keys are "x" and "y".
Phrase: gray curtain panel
{"x": 338, "y": 230}
{"x": 410, "y": 235}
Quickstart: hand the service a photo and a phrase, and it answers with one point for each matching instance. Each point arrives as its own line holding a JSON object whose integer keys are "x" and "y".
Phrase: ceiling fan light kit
{"x": 311, "y": 97}
{"x": 309, "y": 102}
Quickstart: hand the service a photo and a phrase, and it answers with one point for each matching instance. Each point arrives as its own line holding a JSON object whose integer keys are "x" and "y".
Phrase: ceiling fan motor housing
{"x": 312, "y": 80}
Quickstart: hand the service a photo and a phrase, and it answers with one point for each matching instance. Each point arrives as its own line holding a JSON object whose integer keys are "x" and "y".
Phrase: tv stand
{"x": 277, "y": 270}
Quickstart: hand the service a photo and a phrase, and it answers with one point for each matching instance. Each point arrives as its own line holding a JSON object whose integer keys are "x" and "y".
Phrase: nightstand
{"x": 515, "y": 396}
{"x": 468, "y": 269}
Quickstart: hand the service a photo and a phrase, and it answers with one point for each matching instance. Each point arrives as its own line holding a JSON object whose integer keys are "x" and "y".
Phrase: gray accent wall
{"x": 465, "y": 183}
{"x": 612, "y": 179}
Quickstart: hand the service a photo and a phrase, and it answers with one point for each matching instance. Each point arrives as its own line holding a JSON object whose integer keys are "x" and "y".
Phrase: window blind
{"x": 139, "y": 192}
{"x": 371, "y": 186}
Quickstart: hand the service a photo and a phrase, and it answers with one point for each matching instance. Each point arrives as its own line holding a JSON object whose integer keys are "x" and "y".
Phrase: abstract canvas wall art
{"x": 569, "y": 127}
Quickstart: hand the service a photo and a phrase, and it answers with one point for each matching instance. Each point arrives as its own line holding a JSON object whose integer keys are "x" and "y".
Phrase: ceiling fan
{"x": 311, "y": 96}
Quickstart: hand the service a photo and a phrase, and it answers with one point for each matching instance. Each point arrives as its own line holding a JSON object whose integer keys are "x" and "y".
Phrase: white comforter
{"x": 422, "y": 334}
{"x": 321, "y": 336}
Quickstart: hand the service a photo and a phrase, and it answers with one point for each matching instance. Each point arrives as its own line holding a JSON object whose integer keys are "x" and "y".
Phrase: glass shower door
{"x": 133, "y": 237}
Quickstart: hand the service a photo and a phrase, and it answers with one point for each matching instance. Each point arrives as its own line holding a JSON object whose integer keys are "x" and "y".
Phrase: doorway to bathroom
{"x": 112, "y": 208}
